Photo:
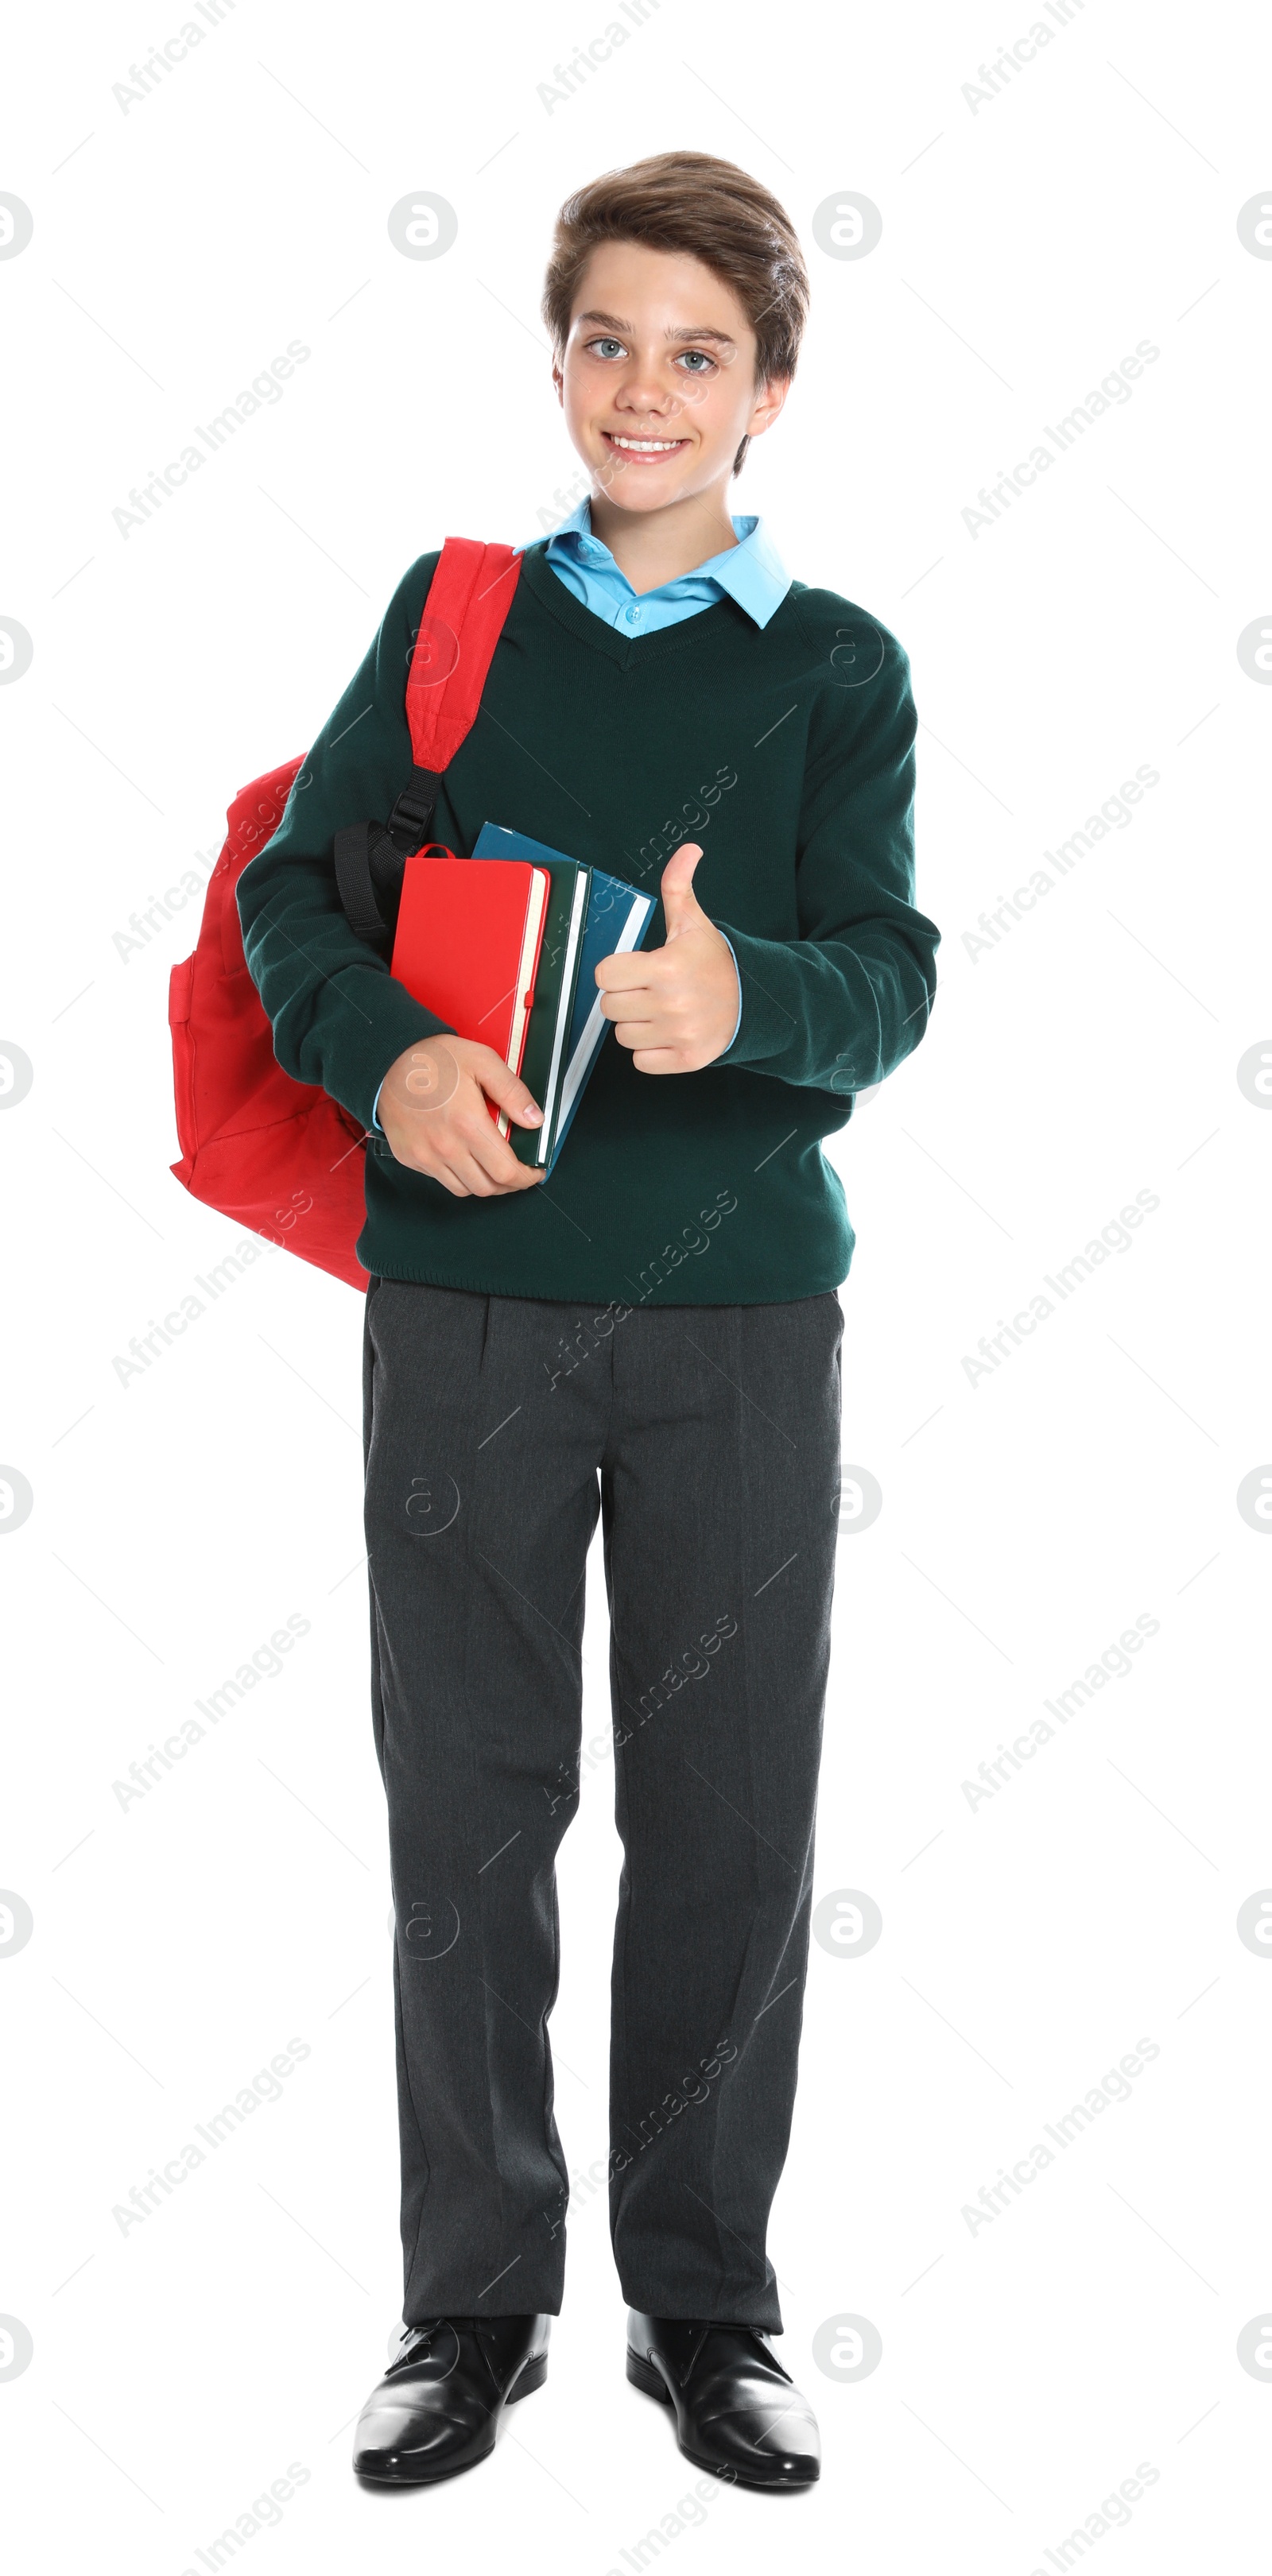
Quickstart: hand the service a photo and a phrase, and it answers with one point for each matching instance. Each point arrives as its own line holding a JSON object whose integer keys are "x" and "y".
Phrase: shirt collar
{"x": 751, "y": 573}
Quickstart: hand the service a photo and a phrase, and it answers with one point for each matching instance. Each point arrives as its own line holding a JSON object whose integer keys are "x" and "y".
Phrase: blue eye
{"x": 695, "y": 361}
{"x": 606, "y": 348}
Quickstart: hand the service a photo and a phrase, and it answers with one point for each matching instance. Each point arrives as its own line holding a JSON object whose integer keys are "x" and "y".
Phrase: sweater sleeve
{"x": 339, "y": 1017}
{"x": 842, "y": 1005}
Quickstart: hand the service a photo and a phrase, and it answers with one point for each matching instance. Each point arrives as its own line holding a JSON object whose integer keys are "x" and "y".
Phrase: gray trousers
{"x": 708, "y": 1439}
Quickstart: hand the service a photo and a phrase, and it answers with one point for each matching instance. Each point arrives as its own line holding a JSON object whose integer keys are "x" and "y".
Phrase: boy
{"x": 654, "y": 1335}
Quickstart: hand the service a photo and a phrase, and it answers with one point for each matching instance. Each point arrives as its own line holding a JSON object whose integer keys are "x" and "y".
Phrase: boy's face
{"x": 657, "y": 379}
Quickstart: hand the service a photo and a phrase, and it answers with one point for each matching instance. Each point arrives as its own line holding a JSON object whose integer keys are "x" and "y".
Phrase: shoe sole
{"x": 532, "y": 2377}
{"x": 643, "y": 2375}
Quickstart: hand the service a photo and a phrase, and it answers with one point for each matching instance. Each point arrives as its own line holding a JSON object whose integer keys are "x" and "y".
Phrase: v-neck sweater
{"x": 787, "y": 753}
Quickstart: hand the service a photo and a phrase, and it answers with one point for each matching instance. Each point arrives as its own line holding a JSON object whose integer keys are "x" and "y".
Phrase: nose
{"x": 645, "y": 391}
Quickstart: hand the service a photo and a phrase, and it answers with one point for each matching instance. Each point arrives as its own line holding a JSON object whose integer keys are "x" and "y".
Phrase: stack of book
{"x": 504, "y": 948}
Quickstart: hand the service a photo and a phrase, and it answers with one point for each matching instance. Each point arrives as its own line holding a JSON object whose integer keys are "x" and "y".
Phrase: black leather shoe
{"x": 437, "y": 2408}
{"x": 738, "y": 2413}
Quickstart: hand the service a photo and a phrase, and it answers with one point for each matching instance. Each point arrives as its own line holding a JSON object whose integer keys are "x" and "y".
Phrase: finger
{"x": 506, "y": 1088}
{"x": 641, "y": 1033}
{"x": 679, "y": 902}
{"x": 642, "y": 1004}
{"x": 658, "y": 1060}
{"x": 493, "y": 1156}
{"x": 474, "y": 1182}
{"x": 622, "y": 974}
{"x": 483, "y": 1186}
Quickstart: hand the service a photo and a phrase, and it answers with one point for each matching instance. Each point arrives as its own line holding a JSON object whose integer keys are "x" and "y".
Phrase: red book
{"x": 467, "y": 946}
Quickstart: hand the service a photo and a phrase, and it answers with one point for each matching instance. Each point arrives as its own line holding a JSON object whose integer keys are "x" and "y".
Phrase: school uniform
{"x": 652, "y": 1337}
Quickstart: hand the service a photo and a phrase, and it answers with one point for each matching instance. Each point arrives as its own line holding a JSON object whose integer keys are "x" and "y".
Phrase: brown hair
{"x": 708, "y": 209}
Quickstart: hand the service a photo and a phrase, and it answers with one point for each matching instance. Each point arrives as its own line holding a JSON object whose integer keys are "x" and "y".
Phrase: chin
{"x": 636, "y": 502}
{"x": 636, "y": 489}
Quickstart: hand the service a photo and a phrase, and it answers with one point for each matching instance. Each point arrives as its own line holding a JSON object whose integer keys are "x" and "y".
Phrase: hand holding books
{"x": 504, "y": 947}
{"x": 435, "y": 1108}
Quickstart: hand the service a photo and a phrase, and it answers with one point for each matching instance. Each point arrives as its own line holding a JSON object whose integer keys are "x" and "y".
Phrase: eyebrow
{"x": 612, "y": 322}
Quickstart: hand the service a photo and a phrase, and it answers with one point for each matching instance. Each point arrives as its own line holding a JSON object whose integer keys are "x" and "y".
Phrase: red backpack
{"x": 277, "y": 1156}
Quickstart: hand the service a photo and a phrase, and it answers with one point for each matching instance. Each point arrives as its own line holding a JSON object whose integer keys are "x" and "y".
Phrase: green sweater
{"x": 787, "y": 753}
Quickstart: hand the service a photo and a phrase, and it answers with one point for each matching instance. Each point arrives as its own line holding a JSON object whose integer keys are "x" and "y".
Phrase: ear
{"x": 558, "y": 380}
{"x": 768, "y": 405}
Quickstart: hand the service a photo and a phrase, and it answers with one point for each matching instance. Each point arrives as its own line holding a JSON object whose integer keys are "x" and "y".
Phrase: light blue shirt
{"x": 751, "y": 573}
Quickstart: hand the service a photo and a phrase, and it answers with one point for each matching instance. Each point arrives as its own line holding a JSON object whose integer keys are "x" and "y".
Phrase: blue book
{"x": 616, "y": 920}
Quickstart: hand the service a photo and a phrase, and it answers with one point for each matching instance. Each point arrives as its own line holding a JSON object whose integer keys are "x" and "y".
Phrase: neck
{"x": 655, "y": 546}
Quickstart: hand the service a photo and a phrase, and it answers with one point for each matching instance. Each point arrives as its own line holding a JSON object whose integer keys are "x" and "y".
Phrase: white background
{"x": 1029, "y": 242}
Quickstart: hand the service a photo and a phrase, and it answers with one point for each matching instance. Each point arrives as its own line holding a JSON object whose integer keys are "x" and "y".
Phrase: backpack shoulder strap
{"x": 468, "y": 601}
{"x": 463, "y": 616}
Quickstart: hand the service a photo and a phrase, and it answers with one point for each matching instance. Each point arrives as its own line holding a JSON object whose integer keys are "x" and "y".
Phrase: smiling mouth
{"x": 643, "y": 446}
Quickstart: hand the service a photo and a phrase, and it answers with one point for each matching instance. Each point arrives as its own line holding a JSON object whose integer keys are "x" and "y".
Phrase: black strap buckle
{"x": 369, "y": 861}
{"x": 413, "y": 812}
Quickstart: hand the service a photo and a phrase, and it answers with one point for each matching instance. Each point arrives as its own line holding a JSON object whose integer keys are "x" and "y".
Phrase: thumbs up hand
{"x": 676, "y": 1007}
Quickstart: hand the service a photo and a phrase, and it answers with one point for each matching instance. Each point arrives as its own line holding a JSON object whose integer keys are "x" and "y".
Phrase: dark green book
{"x": 545, "y": 1057}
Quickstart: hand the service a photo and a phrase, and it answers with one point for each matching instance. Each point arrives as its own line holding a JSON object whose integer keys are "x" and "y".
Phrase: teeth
{"x": 647, "y": 446}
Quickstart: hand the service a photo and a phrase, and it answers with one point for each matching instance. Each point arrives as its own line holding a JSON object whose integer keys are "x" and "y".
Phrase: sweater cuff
{"x": 763, "y": 1028}
{"x": 738, "y": 972}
